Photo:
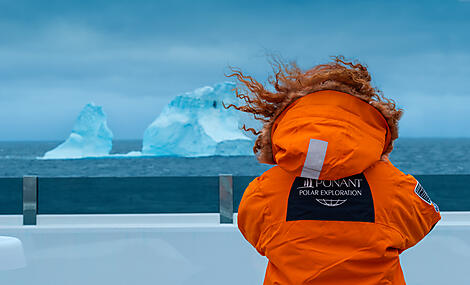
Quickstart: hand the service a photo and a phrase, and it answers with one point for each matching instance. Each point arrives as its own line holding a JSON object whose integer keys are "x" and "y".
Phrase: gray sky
{"x": 132, "y": 57}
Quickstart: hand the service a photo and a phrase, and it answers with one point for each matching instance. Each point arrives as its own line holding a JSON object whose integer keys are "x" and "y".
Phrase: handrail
{"x": 32, "y": 196}
{"x": 30, "y": 199}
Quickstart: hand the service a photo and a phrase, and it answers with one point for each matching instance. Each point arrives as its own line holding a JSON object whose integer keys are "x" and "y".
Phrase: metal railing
{"x": 144, "y": 195}
{"x": 30, "y": 199}
{"x": 226, "y": 198}
{"x": 31, "y": 189}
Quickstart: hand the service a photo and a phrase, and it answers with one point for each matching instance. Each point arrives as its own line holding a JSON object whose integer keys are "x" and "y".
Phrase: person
{"x": 333, "y": 209}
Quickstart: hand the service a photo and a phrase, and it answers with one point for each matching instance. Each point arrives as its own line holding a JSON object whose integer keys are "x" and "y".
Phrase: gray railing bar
{"x": 30, "y": 199}
{"x": 226, "y": 198}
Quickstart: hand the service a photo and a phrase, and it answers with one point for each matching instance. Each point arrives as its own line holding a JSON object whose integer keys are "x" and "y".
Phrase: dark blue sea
{"x": 411, "y": 155}
{"x": 120, "y": 184}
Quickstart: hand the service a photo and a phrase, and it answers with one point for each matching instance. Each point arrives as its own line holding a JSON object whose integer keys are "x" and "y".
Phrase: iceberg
{"x": 90, "y": 136}
{"x": 196, "y": 124}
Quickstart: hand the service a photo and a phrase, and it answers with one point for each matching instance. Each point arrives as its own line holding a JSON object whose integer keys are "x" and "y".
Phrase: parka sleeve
{"x": 253, "y": 215}
{"x": 419, "y": 214}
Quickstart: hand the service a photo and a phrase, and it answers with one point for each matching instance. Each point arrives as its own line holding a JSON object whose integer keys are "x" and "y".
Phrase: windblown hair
{"x": 289, "y": 83}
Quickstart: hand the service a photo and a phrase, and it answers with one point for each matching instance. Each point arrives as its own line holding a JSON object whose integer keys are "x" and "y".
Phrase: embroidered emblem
{"x": 419, "y": 190}
{"x": 345, "y": 199}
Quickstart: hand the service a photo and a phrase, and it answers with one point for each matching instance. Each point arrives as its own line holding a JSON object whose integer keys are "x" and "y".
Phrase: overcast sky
{"x": 133, "y": 57}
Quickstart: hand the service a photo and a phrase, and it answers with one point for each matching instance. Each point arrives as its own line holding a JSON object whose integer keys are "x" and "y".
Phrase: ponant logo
{"x": 344, "y": 199}
{"x": 325, "y": 190}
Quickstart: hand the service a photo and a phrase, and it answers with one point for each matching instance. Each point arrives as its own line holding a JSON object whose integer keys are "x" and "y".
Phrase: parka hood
{"x": 329, "y": 135}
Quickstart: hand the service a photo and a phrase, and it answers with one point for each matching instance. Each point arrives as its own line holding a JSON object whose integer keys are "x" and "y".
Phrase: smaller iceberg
{"x": 90, "y": 136}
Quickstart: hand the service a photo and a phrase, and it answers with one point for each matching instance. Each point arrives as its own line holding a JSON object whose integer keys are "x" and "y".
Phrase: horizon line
{"x": 140, "y": 139}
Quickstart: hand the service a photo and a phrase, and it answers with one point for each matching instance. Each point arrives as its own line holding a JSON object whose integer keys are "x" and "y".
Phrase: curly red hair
{"x": 289, "y": 83}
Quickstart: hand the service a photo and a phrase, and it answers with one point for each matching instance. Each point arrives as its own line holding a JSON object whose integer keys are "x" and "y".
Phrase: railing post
{"x": 226, "y": 198}
{"x": 30, "y": 199}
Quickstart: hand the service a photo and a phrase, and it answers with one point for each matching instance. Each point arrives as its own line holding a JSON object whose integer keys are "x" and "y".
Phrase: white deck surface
{"x": 189, "y": 249}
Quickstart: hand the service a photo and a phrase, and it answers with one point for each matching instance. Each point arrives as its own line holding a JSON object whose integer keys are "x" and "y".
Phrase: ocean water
{"x": 411, "y": 155}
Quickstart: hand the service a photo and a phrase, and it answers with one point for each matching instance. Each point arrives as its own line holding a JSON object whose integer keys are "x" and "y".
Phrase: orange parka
{"x": 330, "y": 211}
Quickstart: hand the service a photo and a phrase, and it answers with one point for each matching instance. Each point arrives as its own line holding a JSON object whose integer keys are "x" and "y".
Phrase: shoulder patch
{"x": 345, "y": 199}
{"x": 419, "y": 190}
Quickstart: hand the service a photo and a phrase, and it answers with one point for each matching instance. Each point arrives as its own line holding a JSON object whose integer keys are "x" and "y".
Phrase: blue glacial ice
{"x": 90, "y": 136}
{"x": 197, "y": 124}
